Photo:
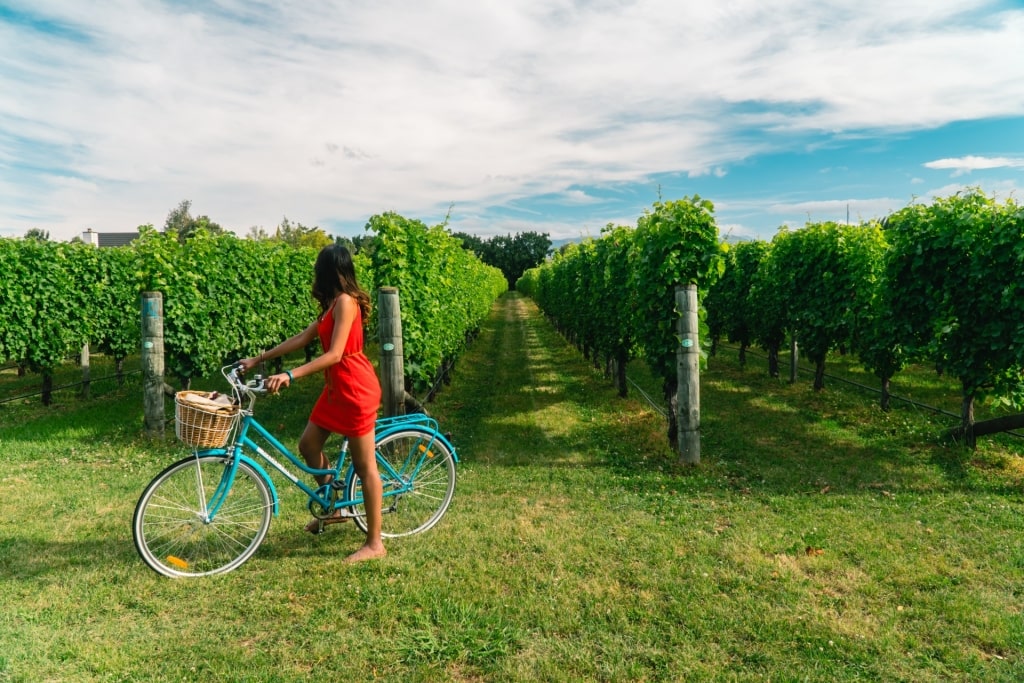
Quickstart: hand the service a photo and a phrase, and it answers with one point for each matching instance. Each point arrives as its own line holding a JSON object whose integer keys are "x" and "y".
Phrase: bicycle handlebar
{"x": 233, "y": 373}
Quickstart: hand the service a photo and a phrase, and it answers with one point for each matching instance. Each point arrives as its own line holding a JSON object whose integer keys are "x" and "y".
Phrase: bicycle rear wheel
{"x": 418, "y": 497}
{"x": 171, "y": 528}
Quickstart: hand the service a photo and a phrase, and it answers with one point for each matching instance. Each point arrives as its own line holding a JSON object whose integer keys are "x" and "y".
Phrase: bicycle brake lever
{"x": 257, "y": 384}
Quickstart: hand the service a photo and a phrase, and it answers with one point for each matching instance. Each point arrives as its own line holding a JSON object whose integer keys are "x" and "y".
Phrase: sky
{"x": 502, "y": 116}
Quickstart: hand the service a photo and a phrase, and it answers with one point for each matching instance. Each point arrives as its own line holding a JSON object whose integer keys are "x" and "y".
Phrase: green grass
{"x": 818, "y": 540}
{"x": 917, "y": 383}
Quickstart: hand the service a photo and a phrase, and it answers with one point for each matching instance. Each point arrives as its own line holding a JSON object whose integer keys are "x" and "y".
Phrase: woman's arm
{"x": 345, "y": 310}
{"x": 293, "y": 343}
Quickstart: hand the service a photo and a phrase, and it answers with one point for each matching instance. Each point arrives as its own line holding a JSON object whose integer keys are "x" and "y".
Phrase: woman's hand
{"x": 248, "y": 364}
{"x": 275, "y": 382}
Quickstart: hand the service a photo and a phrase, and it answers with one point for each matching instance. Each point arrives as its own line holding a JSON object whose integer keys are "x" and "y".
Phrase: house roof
{"x": 109, "y": 239}
{"x": 117, "y": 239}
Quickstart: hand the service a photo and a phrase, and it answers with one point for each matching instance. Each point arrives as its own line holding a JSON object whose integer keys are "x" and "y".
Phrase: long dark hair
{"x": 334, "y": 273}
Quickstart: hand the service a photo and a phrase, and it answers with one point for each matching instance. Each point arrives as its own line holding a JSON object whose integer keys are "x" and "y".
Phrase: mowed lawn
{"x": 818, "y": 540}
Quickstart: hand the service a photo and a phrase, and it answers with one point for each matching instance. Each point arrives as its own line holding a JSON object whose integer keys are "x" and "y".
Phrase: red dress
{"x": 351, "y": 397}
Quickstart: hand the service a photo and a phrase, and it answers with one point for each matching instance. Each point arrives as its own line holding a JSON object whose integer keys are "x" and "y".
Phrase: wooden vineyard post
{"x": 153, "y": 362}
{"x": 84, "y": 363}
{"x": 392, "y": 359}
{"x": 794, "y": 359}
{"x": 688, "y": 375}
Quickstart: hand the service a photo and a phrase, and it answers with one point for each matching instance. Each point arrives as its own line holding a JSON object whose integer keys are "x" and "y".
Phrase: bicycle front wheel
{"x": 174, "y": 531}
{"x": 419, "y": 492}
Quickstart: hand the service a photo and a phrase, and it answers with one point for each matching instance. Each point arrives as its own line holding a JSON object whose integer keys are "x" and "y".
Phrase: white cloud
{"x": 579, "y": 197}
{"x": 332, "y": 112}
{"x": 964, "y": 165}
{"x": 717, "y": 172}
{"x": 999, "y": 190}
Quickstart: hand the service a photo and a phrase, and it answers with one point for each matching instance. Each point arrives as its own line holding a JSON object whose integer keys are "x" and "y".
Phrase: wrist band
{"x": 290, "y": 378}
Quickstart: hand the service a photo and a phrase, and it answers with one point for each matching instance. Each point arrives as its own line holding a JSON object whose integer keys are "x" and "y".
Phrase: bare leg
{"x": 365, "y": 463}
{"x": 311, "y": 446}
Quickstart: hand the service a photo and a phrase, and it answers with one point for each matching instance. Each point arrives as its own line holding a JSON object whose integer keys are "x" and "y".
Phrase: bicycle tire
{"x": 417, "y": 455}
{"x": 168, "y": 526}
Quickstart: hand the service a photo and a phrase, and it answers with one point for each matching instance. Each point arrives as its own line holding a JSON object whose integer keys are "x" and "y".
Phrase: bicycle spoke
{"x": 174, "y": 533}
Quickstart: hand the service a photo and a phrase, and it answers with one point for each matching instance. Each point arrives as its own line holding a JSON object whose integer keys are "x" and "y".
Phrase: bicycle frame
{"x": 324, "y": 495}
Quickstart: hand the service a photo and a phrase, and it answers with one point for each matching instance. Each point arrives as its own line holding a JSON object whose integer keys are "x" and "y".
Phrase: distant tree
{"x": 365, "y": 244}
{"x": 202, "y": 223}
{"x": 179, "y": 217}
{"x": 497, "y": 251}
{"x": 258, "y": 232}
{"x": 298, "y": 235}
{"x": 471, "y": 242}
{"x": 38, "y": 234}
{"x": 515, "y": 255}
{"x": 512, "y": 255}
{"x": 534, "y": 247}
{"x": 181, "y": 223}
{"x": 360, "y": 244}
{"x": 346, "y": 242}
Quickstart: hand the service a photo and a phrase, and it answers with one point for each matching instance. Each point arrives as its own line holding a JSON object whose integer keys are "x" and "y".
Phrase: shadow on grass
{"x": 787, "y": 438}
{"x": 758, "y": 435}
{"x": 29, "y": 559}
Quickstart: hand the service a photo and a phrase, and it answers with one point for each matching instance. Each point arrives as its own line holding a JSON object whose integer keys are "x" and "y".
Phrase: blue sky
{"x": 556, "y": 116}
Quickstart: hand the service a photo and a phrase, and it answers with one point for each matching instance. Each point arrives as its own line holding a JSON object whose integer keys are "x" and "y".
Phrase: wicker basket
{"x": 198, "y": 421}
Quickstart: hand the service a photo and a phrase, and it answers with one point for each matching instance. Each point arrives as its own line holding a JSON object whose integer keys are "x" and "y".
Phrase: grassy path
{"x": 818, "y": 541}
{"x": 521, "y": 391}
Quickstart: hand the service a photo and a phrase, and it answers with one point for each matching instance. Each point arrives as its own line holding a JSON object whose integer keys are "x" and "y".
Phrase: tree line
{"x": 512, "y": 254}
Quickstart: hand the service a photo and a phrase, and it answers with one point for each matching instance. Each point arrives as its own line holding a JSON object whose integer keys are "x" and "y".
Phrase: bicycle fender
{"x": 266, "y": 478}
{"x": 451, "y": 448}
{"x": 222, "y": 452}
{"x": 438, "y": 436}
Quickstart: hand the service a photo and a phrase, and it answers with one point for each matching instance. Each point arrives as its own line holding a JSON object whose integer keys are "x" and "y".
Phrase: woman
{"x": 351, "y": 397}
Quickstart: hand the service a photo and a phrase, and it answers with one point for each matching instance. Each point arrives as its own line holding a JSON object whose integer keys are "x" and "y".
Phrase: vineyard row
{"x": 941, "y": 283}
{"x": 226, "y": 297}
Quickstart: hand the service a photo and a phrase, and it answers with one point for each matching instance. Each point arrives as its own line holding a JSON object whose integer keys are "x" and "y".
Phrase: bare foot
{"x": 313, "y": 526}
{"x": 367, "y": 552}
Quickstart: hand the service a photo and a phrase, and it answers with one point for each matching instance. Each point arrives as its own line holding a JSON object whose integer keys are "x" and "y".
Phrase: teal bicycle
{"x": 208, "y": 513}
